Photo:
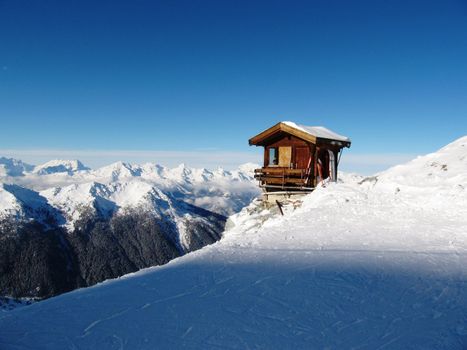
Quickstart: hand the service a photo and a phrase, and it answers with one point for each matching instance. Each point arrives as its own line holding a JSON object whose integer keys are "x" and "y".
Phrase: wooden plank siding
{"x": 295, "y": 172}
{"x": 288, "y": 141}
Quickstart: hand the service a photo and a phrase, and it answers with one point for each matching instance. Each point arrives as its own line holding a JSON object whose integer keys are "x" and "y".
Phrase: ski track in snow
{"x": 232, "y": 297}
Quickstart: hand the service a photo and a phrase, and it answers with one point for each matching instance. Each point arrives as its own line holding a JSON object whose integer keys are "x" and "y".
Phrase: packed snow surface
{"x": 367, "y": 263}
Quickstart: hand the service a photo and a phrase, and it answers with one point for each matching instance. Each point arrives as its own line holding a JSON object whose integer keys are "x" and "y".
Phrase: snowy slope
{"x": 434, "y": 180}
{"x": 370, "y": 263}
{"x": 9, "y": 205}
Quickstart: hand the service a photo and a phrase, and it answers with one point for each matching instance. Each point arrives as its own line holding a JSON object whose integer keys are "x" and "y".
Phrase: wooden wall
{"x": 301, "y": 152}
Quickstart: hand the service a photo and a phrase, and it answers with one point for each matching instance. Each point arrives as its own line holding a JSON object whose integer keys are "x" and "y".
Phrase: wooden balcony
{"x": 276, "y": 179}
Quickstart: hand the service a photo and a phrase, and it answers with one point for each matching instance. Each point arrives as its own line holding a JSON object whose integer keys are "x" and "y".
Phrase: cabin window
{"x": 273, "y": 156}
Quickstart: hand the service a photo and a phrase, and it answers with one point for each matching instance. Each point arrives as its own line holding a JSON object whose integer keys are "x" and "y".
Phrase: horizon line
{"x": 362, "y": 163}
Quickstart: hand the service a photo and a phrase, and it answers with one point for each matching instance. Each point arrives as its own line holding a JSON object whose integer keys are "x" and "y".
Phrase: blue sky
{"x": 173, "y": 81}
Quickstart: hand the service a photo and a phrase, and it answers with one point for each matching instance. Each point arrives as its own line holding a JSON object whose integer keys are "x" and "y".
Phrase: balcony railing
{"x": 283, "y": 178}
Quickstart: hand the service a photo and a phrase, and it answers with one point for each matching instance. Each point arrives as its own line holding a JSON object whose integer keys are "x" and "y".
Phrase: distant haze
{"x": 364, "y": 164}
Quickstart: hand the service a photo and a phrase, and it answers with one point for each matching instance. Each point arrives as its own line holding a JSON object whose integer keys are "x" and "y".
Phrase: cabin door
{"x": 285, "y": 156}
{"x": 302, "y": 157}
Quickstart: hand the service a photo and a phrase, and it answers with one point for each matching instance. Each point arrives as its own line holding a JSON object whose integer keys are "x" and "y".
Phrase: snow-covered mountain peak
{"x": 25, "y": 204}
{"x": 60, "y": 166}
{"x": 152, "y": 170}
{"x": 180, "y": 172}
{"x": 125, "y": 194}
{"x": 221, "y": 172}
{"x": 118, "y": 170}
{"x": 183, "y": 173}
{"x": 181, "y": 166}
{"x": 77, "y": 200}
{"x": 13, "y": 167}
{"x": 104, "y": 199}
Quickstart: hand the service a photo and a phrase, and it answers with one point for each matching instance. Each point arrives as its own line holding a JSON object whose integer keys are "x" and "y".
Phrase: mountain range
{"x": 64, "y": 226}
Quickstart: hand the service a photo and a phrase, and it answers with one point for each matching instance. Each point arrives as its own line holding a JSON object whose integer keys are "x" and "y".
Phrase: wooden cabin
{"x": 298, "y": 157}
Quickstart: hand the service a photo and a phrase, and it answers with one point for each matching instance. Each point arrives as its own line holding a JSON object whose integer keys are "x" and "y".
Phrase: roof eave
{"x": 258, "y": 139}
{"x": 335, "y": 142}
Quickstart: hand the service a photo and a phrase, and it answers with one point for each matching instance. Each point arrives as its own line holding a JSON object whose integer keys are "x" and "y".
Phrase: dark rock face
{"x": 39, "y": 261}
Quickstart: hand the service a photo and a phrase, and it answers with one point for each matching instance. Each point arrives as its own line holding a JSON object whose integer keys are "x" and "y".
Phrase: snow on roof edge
{"x": 318, "y": 131}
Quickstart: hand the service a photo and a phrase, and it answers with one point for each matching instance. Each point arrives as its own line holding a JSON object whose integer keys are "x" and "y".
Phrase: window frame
{"x": 273, "y": 156}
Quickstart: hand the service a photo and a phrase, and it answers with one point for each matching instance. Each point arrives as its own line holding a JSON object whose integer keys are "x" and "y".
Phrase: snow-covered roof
{"x": 318, "y": 131}
{"x": 311, "y": 134}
